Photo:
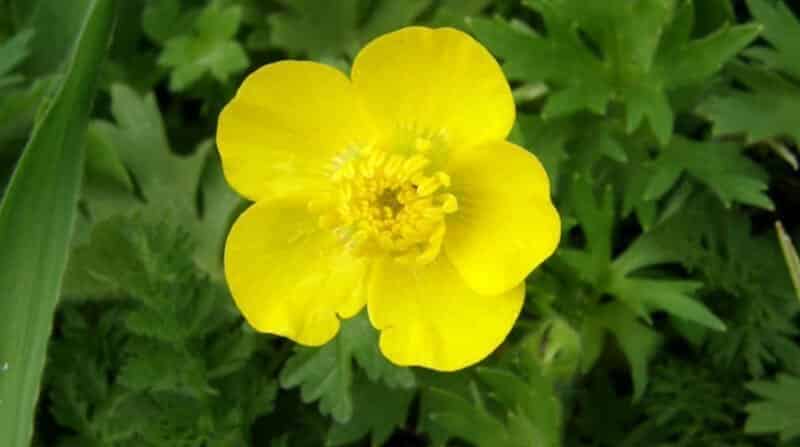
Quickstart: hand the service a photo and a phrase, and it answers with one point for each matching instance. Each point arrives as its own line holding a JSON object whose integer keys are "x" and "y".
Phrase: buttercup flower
{"x": 393, "y": 189}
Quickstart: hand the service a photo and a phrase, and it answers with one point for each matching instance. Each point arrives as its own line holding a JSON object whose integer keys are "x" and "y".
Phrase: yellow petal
{"x": 429, "y": 317}
{"x": 286, "y": 123}
{"x": 506, "y": 224}
{"x": 435, "y": 80}
{"x": 287, "y": 276}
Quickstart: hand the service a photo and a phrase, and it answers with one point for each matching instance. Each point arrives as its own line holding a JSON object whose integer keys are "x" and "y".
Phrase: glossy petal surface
{"x": 285, "y": 125}
{"x": 288, "y": 276}
{"x": 506, "y": 224}
{"x": 435, "y": 80}
{"x": 429, "y": 317}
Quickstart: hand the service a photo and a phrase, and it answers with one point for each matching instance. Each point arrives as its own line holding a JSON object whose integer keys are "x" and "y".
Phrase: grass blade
{"x": 790, "y": 254}
{"x": 36, "y": 221}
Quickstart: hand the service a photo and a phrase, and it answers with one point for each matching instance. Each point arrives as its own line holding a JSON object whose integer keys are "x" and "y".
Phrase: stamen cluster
{"x": 387, "y": 203}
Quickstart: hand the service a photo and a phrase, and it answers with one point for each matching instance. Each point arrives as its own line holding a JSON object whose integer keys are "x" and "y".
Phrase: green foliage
{"x": 208, "y": 48}
{"x": 767, "y": 108}
{"x": 394, "y": 406}
{"x": 790, "y": 254}
{"x": 720, "y": 166}
{"x": 12, "y": 53}
{"x": 779, "y": 411}
{"x": 166, "y": 312}
{"x": 634, "y": 53}
{"x": 326, "y": 373}
{"x": 37, "y": 214}
{"x": 528, "y": 411}
{"x": 328, "y": 30}
{"x": 667, "y": 317}
{"x": 331, "y": 31}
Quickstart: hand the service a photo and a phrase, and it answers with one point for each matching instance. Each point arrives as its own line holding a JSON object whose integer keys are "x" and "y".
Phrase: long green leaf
{"x": 36, "y": 221}
{"x": 790, "y": 253}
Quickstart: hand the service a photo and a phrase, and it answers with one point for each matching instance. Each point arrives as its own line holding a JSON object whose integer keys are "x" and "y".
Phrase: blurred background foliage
{"x": 668, "y": 317}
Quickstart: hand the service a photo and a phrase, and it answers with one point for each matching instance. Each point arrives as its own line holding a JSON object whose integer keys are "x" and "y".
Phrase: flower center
{"x": 388, "y": 203}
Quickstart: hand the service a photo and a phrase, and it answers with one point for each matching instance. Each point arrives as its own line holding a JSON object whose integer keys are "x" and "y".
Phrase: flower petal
{"x": 429, "y": 317}
{"x": 286, "y": 123}
{"x": 288, "y": 276}
{"x": 435, "y": 80}
{"x": 506, "y": 224}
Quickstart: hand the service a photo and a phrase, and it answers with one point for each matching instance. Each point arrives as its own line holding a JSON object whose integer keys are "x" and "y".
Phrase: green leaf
{"x": 535, "y": 411}
{"x": 148, "y": 368}
{"x": 635, "y": 53}
{"x": 329, "y": 31}
{"x": 18, "y": 107}
{"x": 790, "y": 254}
{"x": 218, "y": 207}
{"x": 388, "y": 16}
{"x": 326, "y": 374}
{"x": 672, "y": 296}
{"x": 547, "y": 140}
{"x": 526, "y": 410}
{"x": 162, "y": 20}
{"x": 720, "y": 166}
{"x": 769, "y": 108}
{"x": 169, "y": 183}
{"x": 210, "y": 49}
{"x": 378, "y": 410}
{"x": 782, "y": 31}
{"x": 318, "y": 28}
{"x": 36, "y": 219}
{"x": 638, "y": 342}
{"x": 167, "y": 180}
{"x": 700, "y": 59}
{"x": 779, "y": 411}
{"x": 55, "y": 30}
{"x": 642, "y": 295}
{"x": 12, "y": 53}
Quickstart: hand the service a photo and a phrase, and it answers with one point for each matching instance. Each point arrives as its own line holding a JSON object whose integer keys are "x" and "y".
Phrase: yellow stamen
{"x": 389, "y": 204}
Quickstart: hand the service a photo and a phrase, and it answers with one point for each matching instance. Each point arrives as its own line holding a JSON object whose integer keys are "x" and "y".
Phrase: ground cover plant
{"x": 668, "y": 315}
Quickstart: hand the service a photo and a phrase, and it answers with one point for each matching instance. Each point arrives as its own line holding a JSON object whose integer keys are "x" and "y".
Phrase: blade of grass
{"x": 36, "y": 221}
{"x": 790, "y": 254}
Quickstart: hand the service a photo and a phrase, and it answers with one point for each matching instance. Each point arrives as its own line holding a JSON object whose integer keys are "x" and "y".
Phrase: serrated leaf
{"x": 782, "y": 31}
{"x": 326, "y": 373}
{"x": 779, "y": 411}
{"x": 720, "y": 166}
{"x": 319, "y": 28}
{"x": 162, "y": 20}
{"x": 700, "y": 59}
{"x": 768, "y": 109}
{"x": 329, "y": 31}
{"x": 547, "y": 140}
{"x": 166, "y": 179}
{"x": 378, "y": 410}
{"x": 218, "y": 205}
{"x": 462, "y": 418}
{"x": 672, "y": 296}
{"x": 635, "y": 53}
{"x": 148, "y": 367}
{"x": 210, "y": 49}
{"x": 528, "y": 413}
{"x": 638, "y": 342}
{"x": 169, "y": 183}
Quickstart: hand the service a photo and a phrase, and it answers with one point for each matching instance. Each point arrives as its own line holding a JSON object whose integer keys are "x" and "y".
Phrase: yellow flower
{"x": 393, "y": 189}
